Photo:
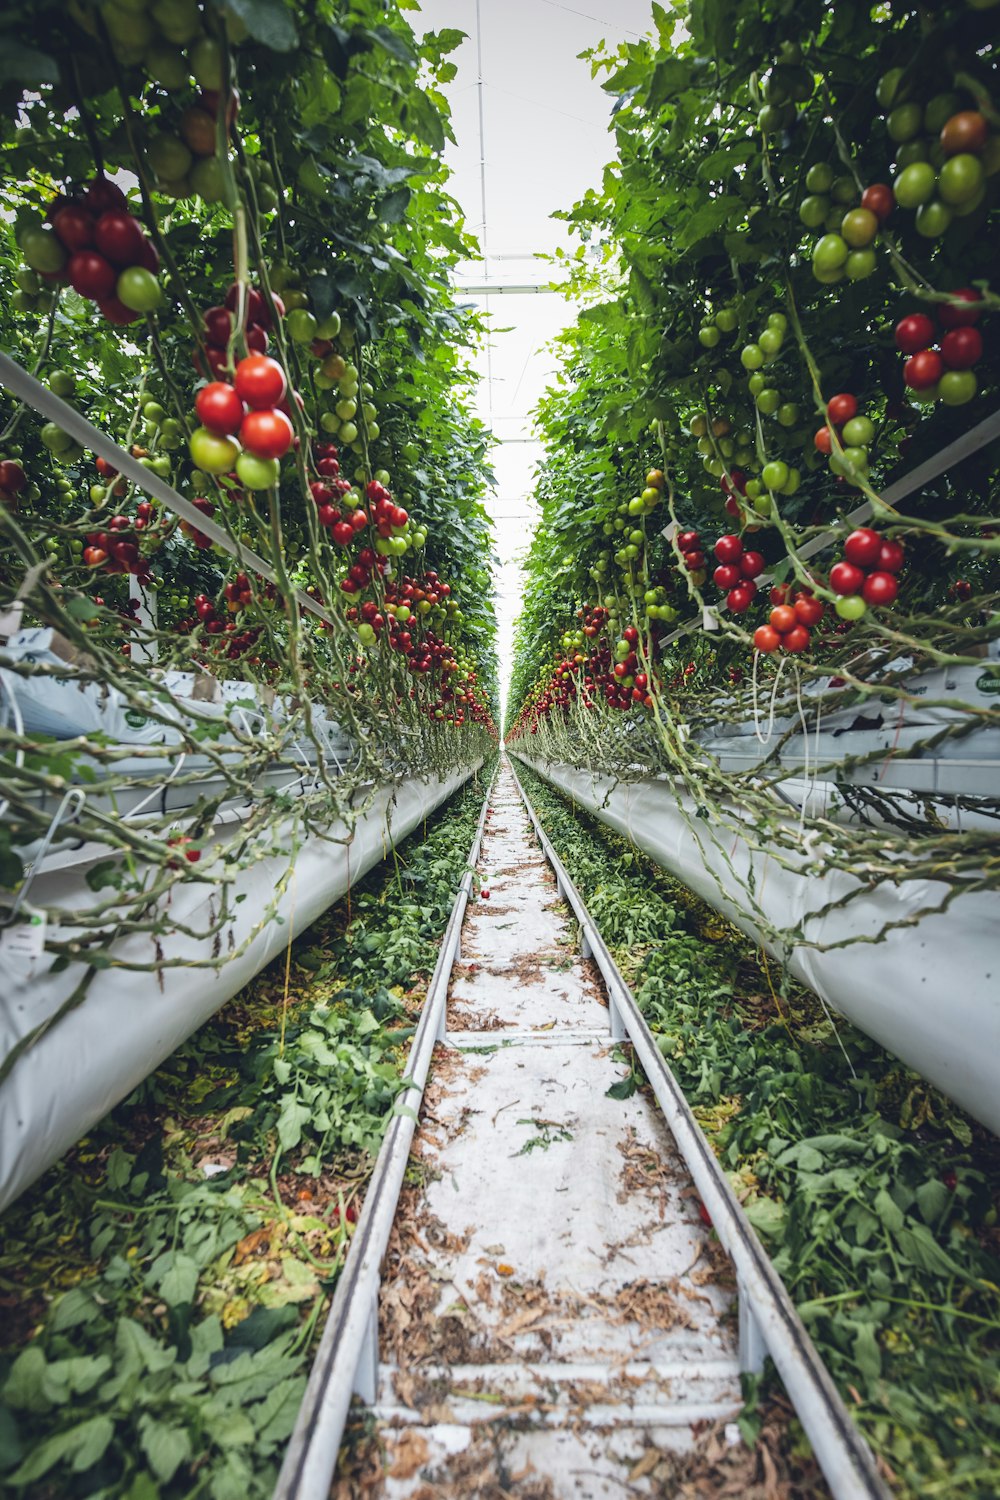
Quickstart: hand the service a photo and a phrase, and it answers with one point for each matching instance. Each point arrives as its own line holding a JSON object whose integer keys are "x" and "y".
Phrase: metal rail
{"x": 768, "y": 1322}
{"x": 347, "y": 1359}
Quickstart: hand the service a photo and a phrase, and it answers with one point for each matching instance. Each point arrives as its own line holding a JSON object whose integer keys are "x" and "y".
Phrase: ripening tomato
{"x": 218, "y": 323}
{"x": 914, "y": 333}
{"x": 687, "y": 541}
{"x": 114, "y": 309}
{"x": 266, "y": 433}
{"x": 120, "y": 238}
{"x": 219, "y": 408}
{"x": 862, "y": 547}
{"x": 822, "y": 441}
{"x": 12, "y": 477}
{"x": 779, "y": 593}
{"x": 923, "y": 370}
{"x": 726, "y": 576}
{"x": 879, "y": 199}
{"x": 256, "y": 307}
{"x": 797, "y": 639}
{"x": 257, "y": 339}
{"x": 880, "y": 589}
{"x": 752, "y": 564}
{"x": 91, "y": 275}
{"x": 841, "y": 409}
{"x": 766, "y": 639}
{"x": 809, "y": 610}
{"x": 260, "y": 381}
{"x": 954, "y": 315}
{"x": 891, "y": 557}
{"x": 782, "y": 618}
{"x": 211, "y": 453}
{"x": 966, "y": 131}
{"x": 845, "y": 578}
{"x": 961, "y": 348}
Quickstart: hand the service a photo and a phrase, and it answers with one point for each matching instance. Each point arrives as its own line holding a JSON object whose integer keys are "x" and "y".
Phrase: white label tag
{"x": 25, "y": 939}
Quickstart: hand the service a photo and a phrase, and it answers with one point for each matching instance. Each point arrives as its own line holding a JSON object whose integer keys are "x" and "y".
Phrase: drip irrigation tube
{"x": 128, "y": 1022}
{"x": 347, "y": 1359}
{"x": 768, "y": 1319}
{"x": 929, "y": 990}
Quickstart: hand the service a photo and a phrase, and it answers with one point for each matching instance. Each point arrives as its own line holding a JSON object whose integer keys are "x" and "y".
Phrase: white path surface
{"x": 550, "y": 1304}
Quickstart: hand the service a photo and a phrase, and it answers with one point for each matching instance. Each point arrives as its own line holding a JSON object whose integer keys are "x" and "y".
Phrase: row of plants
{"x": 876, "y": 1198}
{"x": 788, "y": 293}
{"x": 163, "y": 1287}
{"x": 226, "y": 243}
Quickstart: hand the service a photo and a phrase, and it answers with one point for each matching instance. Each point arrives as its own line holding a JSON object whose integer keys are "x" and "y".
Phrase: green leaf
{"x": 138, "y": 1352}
{"x": 84, "y": 1444}
{"x": 933, "y": 1199}
{"x": 290, "y": 1122}
{"x": 623, "y": 1089}
{"x": 888, "y": 1210}
{"x": 11, "y": 1446}
{"x": 268, "y": 22}
{"x": 25, "y": 66}
{"x": 179, "y": 1282}
{"x": 76, "y": 1307}
{"x": 165, "y": 1446}
{"x": 392, "y": 208}
{"x": 365, "y": 1024}
{"x": 24, "y": 1385}
{"x": 867, "y": 1354}
{"x": 671, "y": 76}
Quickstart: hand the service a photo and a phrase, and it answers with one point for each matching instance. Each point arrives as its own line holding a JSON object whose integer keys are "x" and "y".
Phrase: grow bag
{"x": 929, "y": 993}
{"x": 128, "y": 1022}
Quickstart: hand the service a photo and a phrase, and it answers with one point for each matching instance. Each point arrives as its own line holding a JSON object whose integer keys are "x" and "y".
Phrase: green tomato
{"x": 768, "y": 402}
{"x": 366, "y": 633}
{"x": 859, "y": 227}
{"x": 763, "y": 505}
{"x": 167, "y": 66}
{"x": 206, "y": 64}
{"x": 770, "y": 342}
{"x": 42, "y": 250}
{"x": 888, "y": 91}
{"x": 139, "y": 289}
{"x": 829, "y": 254}
{"x": 757, "y": 383}
{"x": 792, "y": 483}
{"x": 859, "y": 432}
{"x": 813, "y": 211}
{"x": 61, "y": 383}
{"x": 775, "y": 474}
{"x": 850, "y": 606}
{"x": 302, "y": 327}
{"x": 819, "y": 178}
{"x": 349, "y": 432}
{"x": 844, "y": 190}
{"x": 709, "y": 336}
{"x": 329, "y": 328}
{"x": 933, "y": 219}
{"x": 961, "y": 178}
{"x": 726, "y": 319}
{"x": 169, "y": 158}
{"x": 939, "y": 111}
{"x": 257, "y": 473}
{"x": 904, "y": 122}
{"x": 345, "y": 410}
{"x": 210, "y": 453}
{"x": 915, "y": 185}
{"x": 859, "y": 264}
{"x": 54, "y": 438}
{"x": 752, "y": 357}
{"x": 788, "y": 414}
{"x": 208, "y": 179}
{"x": 956, "y": 387}
{"x": 970, "y": 206}
{"x": 911, "y": 152}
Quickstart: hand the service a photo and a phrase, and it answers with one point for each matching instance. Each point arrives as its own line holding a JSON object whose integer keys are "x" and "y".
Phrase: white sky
{"x": 544, "y": 140}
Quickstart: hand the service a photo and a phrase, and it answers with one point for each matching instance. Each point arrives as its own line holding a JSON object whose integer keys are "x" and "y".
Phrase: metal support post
{"x": 619, "y": 1032}
{"x": 753, "y": 1349}
{"x": 366, "y": 1373}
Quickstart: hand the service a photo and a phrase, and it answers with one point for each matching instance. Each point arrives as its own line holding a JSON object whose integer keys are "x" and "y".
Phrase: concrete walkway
{"x": 552, "y": 1308}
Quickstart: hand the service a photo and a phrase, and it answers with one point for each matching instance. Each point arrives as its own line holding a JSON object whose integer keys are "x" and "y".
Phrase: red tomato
{"x": 256, "y": 306}
{"x": 359, "y": 520}
{"x": 103, "y": 194}
{"x": 266, "y": 433}
{"x": 726, "y": 576}
{"x": 260, "y": 381}
{"x": 687, "y": 541}
{"x": 841, "y": 409}
{"x": 120, "y": 238}
{"x": 914, "y": 333}
{"x": 74, "y": 226}
{"x": 952, "y": 316}
{"x": 797, "y": 639}
{"x": 257, "y": 339}
{"x": 879, "y": 199}
{"x": 862, "y": 547}
{"x": 752, "y": 564}
{"x": 149, "y": 256}
{"x": 218, "y": 323}
{"x": 694, "y": 561}
{"x": 891, "y": 557}
{"x": 116, "y": 312}
{"x": 728, "y": 549}
{"x": 91, "y": 275}
{"x": 741, "y": 597}
{"x": 845, "y": 578}
{"x": 779, "y": 593}
{"x": 342, "y": 532}
{"x": 766, "y": 639}
{"x": 782, "y": 618}
{"x": 880, "y": 589}
{"x": 12, "y": 477}
{"x": 923, "y": 370}
{"x": 961, "y": 348}
{"x": 822, "y": 441}
{"x": 809, "y": 610}
{"x": 219, "y": 408}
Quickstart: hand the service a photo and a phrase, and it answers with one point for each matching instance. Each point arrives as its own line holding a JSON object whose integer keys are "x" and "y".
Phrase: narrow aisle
{"x": 550, "y": 1301}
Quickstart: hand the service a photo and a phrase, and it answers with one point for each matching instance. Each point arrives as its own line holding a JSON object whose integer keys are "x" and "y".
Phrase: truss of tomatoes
{"x": 941, "y": 354}
{"x": 245, "y": 426}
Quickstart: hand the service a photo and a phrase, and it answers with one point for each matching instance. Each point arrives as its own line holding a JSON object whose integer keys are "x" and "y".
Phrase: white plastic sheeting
{"x": 129, "y": 1022}
{"x": 930, "y": 993}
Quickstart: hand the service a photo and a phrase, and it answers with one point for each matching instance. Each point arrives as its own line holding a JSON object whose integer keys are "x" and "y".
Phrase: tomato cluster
{"x": 116, "y": 549}
{"x": 867, "y": 573}
{"x": 939, "y": 366}
{"x": 243, "y": 427}
{"x": 855, "y": 433}
{"x": 99, "y": 248}
{"x": 737, "y": 572}
{"x": 790, "y": 623}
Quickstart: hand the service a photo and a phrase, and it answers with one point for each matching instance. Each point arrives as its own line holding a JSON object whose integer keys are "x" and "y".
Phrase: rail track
{"x": 532, "y": 1301}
